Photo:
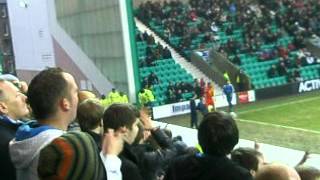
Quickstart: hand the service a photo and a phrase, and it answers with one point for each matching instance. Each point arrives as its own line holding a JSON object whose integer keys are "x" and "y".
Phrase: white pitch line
{"x": 279, "y": 105}
{"x": 277, "y": 125}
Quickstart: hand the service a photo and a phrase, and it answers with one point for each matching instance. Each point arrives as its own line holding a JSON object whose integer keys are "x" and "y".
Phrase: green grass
{"x": 292, "y": 121}
{"x": 302, "y": 111}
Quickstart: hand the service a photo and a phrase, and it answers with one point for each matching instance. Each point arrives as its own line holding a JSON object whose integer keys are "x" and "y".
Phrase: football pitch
{"x": 292, "y": 121}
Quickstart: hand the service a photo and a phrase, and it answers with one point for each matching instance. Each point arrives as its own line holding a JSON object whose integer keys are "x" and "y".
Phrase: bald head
{"x": 308, "y": 173}
{"x": 3, "y": 83}
{"x": 277, "y": 172}
{"x": 83, "y": 95}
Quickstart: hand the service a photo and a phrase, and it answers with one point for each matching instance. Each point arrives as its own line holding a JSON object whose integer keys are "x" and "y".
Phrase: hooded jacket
{"x": 25, "y": 148}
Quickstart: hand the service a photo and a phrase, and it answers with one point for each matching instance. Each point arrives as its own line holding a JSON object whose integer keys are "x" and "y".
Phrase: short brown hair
{"x": 89, "y": 114}
{"x": 44, "y": 92}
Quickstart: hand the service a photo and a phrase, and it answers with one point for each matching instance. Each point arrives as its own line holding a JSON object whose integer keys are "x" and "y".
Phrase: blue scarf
{"x": 10, "y": 121}
{"x": 30, "y": 129}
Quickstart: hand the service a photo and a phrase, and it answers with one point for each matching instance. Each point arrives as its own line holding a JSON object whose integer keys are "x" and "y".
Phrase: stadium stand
{"x": 153, "y": 58}
{"x": 259, "y": 42}
{"x": 122, "y": 141}
{"x": 1, "y": 62}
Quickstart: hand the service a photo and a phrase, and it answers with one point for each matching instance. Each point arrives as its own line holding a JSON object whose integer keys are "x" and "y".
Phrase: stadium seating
{"x": 167, "y": 70}
{"x": 1, "y": 63}
{"x": 257, "y": 70}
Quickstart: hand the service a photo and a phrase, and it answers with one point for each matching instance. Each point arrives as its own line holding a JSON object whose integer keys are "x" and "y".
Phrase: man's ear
{"x": 252, "y": 172}
{"x": 123, "y": 129}
{"x": 64, "y": 104}
{"x": 3, "y": 108}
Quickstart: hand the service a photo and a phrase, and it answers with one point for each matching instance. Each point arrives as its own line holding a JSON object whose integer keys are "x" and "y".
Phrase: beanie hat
{"x": 74, "y": 155}
{"x": 9, "y": 77}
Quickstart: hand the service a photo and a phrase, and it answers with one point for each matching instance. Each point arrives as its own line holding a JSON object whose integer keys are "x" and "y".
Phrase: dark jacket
{"x": 7, "y": 133}
{"x": 97, "y": 138}
{"x": 201, "y": 167}
{"x": 129, "y": 166}
{"x": 154, "y": 162}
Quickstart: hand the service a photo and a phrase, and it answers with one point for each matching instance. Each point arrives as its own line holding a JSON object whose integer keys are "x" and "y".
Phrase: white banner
{"x": 310, "y": 85}
{"x": 180, "y": 108}
{"x": 251, "y": 96}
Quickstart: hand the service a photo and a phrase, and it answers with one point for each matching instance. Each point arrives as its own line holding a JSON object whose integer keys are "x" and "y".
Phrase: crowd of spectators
{"x": 174, "y": 91}
{"x": 116, "y": 142}
{"x": 299, "y": 18}
{"x": 154, "y": 51}
{"x": 255, "y": 20}
{"x": 303, "y": 58}
{"x": 260, "y": 24}
{"x": 199, "y": 89}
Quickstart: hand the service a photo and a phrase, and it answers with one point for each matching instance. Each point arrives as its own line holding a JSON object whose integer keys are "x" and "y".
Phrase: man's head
{"x": 218, "y": 134}
{"x": 123, "y": 118}
{"x": 248, "y": 158}
{"x": 308, "y": 173}
{"x": 53, "y": 93}
{"x": 12, "y": 101}
{"x": 89, "y": 114}
{"x": 276, "y": 172}
{"x": 84, "y": 94}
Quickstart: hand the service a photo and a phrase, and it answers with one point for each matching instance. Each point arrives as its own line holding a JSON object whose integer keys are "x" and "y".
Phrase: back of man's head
{"x": 89, "y": 114}
{"x": 45, "y": 91}
{"x": 218, "y": 134}
{"x": 308, "y": 173}
{"x": 276, "y": 172}
{"x": 246, "y": 157}
{"x": 119, "y": 115}
{"x": 85, "y": 94}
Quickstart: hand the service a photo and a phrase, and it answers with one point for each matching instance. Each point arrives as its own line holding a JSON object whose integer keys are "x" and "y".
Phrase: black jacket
{"x": 97, "y": 138}
{"x": 7, "y": 133}
{"x": 201, "y": 167}
{"x": 129, "y": 166}
{"x": 154, "y": 162}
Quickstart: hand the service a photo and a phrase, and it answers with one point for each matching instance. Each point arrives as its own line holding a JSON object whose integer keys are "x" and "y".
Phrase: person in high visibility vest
{"x": 113, "y": 96}
{"x": 104, "y": 101}
{"x": 150, "y": 96}
{"x": 123, "y": 98}
{"x": 226, "y": 76}
{"x": 143, "y": 98}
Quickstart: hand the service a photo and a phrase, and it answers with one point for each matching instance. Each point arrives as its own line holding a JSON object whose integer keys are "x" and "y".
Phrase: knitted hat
{"x": 8, "y": 77}
{"x": 74, "y": 155}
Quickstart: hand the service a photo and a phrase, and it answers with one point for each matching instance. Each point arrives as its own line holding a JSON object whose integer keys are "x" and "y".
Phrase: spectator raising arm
{"x": 112, "y": 145}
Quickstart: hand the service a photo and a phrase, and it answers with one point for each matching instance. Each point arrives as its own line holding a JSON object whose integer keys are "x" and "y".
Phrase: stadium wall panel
{"x": 288, "y": 89}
